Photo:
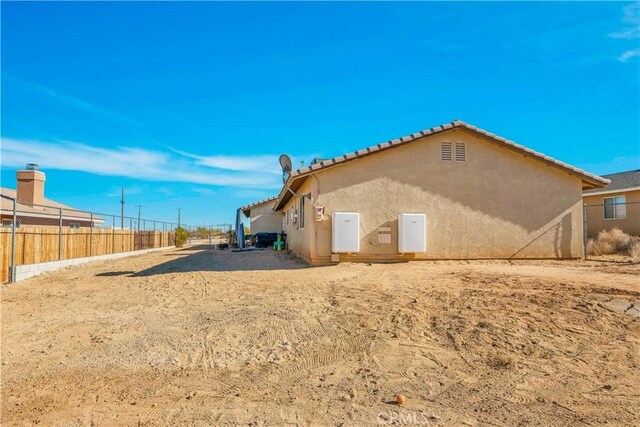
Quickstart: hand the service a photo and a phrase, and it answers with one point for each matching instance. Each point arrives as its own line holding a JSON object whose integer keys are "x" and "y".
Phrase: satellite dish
{"x": 285, "y": 162}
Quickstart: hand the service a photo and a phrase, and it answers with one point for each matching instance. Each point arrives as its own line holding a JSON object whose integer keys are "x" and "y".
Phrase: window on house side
{"x": 8, "y": 223}
{"x": 301, "y": 212}
{"x": 615, "y": 207}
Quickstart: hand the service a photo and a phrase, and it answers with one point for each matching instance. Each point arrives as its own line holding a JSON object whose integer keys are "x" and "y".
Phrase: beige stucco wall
{"x": 497, "y": 204}
{"x": 595, "y": 214}
{"x": 264, "y": 219}
{"x": 300, "y": 240}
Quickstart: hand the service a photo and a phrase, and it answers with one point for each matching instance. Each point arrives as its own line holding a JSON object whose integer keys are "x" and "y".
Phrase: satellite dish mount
{"x": 285, "y": 163}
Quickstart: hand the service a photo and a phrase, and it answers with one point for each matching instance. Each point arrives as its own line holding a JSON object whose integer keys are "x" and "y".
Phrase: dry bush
{"x": 612, "y": 242}
{"x": 634, "y": 248}
{"x": 500, "y": 361}
{"x": 597, "y": 247}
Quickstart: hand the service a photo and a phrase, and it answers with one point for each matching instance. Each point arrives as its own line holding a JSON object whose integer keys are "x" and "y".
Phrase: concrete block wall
{"x": 29, "y": 270}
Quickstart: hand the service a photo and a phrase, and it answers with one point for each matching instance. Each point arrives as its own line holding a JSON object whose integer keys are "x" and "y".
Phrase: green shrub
{"x": 181, "y": 236}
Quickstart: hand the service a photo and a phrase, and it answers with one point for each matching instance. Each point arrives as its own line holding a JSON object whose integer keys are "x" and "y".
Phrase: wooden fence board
{"x": 40, "y": 244}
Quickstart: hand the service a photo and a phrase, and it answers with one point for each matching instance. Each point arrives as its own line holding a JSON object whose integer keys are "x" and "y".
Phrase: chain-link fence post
{"x": 132, "y": 234}
{"x": 13, "y": 243}
{"x": 113, "y": 234}
{"x": 60, "y": 236}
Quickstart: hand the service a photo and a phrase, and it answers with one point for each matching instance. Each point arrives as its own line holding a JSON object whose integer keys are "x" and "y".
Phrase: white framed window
{"x": 8, "y": 223}
{"x": 302, "y": 212}
{"x": 615, "y": 207}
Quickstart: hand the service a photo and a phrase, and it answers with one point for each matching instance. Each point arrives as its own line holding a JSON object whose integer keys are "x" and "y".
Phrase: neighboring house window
{"x": 615, "y": 207}
{"x": 445, "y": 152}
{"x": 74, "y": 225}
{"x": 461, "y": 152}
{"x": 8, "y": 223}
{"x": 301, "y": 212}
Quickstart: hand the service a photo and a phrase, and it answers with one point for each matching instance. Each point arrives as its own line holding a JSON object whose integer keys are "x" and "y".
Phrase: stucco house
{"x": 615, "y": 206}
{"x": 450, "y": 192}
{"x": 262, "y": 217}
{"x": 34, "y": 210}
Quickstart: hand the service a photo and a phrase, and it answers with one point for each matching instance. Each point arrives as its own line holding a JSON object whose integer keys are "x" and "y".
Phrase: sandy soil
{"x": 204, "y": 337}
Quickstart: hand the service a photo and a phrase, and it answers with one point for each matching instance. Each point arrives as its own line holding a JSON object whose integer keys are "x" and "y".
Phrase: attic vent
{"x": 461, "y": 152}
{"x": 445, "y": 152}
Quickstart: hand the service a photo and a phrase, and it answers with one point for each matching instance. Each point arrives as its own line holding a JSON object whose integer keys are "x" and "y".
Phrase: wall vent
{"x": 461, "y": 152}
{"x": 445, "y": 151}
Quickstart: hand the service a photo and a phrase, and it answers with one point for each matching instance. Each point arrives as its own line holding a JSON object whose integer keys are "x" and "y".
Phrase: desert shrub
{"x": 182, "y": 235}
{"x": 615, "y": 237}
{"x": 613, "y": 241}
{"x": 500, "y": 361}
{"x": 598, "y": 247}
{"x": 634, "y": 248}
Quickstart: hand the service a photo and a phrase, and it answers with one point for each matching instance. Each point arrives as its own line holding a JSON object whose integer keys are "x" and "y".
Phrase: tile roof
{"x": 619, "y": 181}
{"x": 589, "y": 178}
{"x": 49, "y": 209}
{"x": 247, "y": 209}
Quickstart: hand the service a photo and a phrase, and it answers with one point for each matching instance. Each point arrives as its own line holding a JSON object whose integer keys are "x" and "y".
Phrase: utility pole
{"x": 122, "y": 210}
{"x": 179, "y": 209}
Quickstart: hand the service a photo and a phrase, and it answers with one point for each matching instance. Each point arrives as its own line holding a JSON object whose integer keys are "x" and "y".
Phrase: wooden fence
{"x": 42, "y": 244}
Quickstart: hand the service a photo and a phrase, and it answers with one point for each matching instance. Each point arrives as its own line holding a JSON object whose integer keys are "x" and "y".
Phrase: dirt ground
{"x": 205, "y": 337}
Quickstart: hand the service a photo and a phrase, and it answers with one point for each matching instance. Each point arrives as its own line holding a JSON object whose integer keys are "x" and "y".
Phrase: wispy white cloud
{"x": 139, "y": 163}
{"x": 628, "y": 33}
{"x": 631, "y": 31}
{"x": 72, "y": 101}
{"x": 626, "y": 55}
{"x": 632, "y": 20}
{"x": 265, "y": 163}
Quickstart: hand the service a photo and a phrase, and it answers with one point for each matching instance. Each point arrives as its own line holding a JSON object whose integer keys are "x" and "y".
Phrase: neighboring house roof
{"x": 51, "y": 210}
{"x": 620, "y": 182}
{"x": 247, "y": 209}
{"x": 296, "y": 177}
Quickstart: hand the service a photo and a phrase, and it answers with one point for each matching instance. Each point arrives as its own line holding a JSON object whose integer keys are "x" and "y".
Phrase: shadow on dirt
{"x": 208, "y": 258}
{"x": 114, "y": 273}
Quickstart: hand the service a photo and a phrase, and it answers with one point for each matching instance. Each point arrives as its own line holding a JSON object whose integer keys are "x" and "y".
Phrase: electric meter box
{"x": 412, "y": 233}
{"x": 345, "y": 236}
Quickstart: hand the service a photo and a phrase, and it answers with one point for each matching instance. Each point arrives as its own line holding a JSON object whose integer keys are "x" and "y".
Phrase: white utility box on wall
{"x": 412, "y": 233}
{"x": 345, "y": 236}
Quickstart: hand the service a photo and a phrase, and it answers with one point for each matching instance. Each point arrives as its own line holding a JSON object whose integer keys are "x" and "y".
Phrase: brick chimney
{"x": 30, "y": 185}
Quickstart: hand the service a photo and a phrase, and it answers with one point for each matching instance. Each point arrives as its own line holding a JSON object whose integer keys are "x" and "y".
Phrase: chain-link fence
{"x": 612, "y": 230}
{"x": 209, "y": 234}
{"x": 33, "y": 234}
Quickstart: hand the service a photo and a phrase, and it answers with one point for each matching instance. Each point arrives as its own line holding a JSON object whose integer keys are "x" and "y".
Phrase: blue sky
{"x": 189, "y": 104}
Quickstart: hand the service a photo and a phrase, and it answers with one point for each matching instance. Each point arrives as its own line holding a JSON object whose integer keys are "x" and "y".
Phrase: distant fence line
{"x": 33, "y": 234}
